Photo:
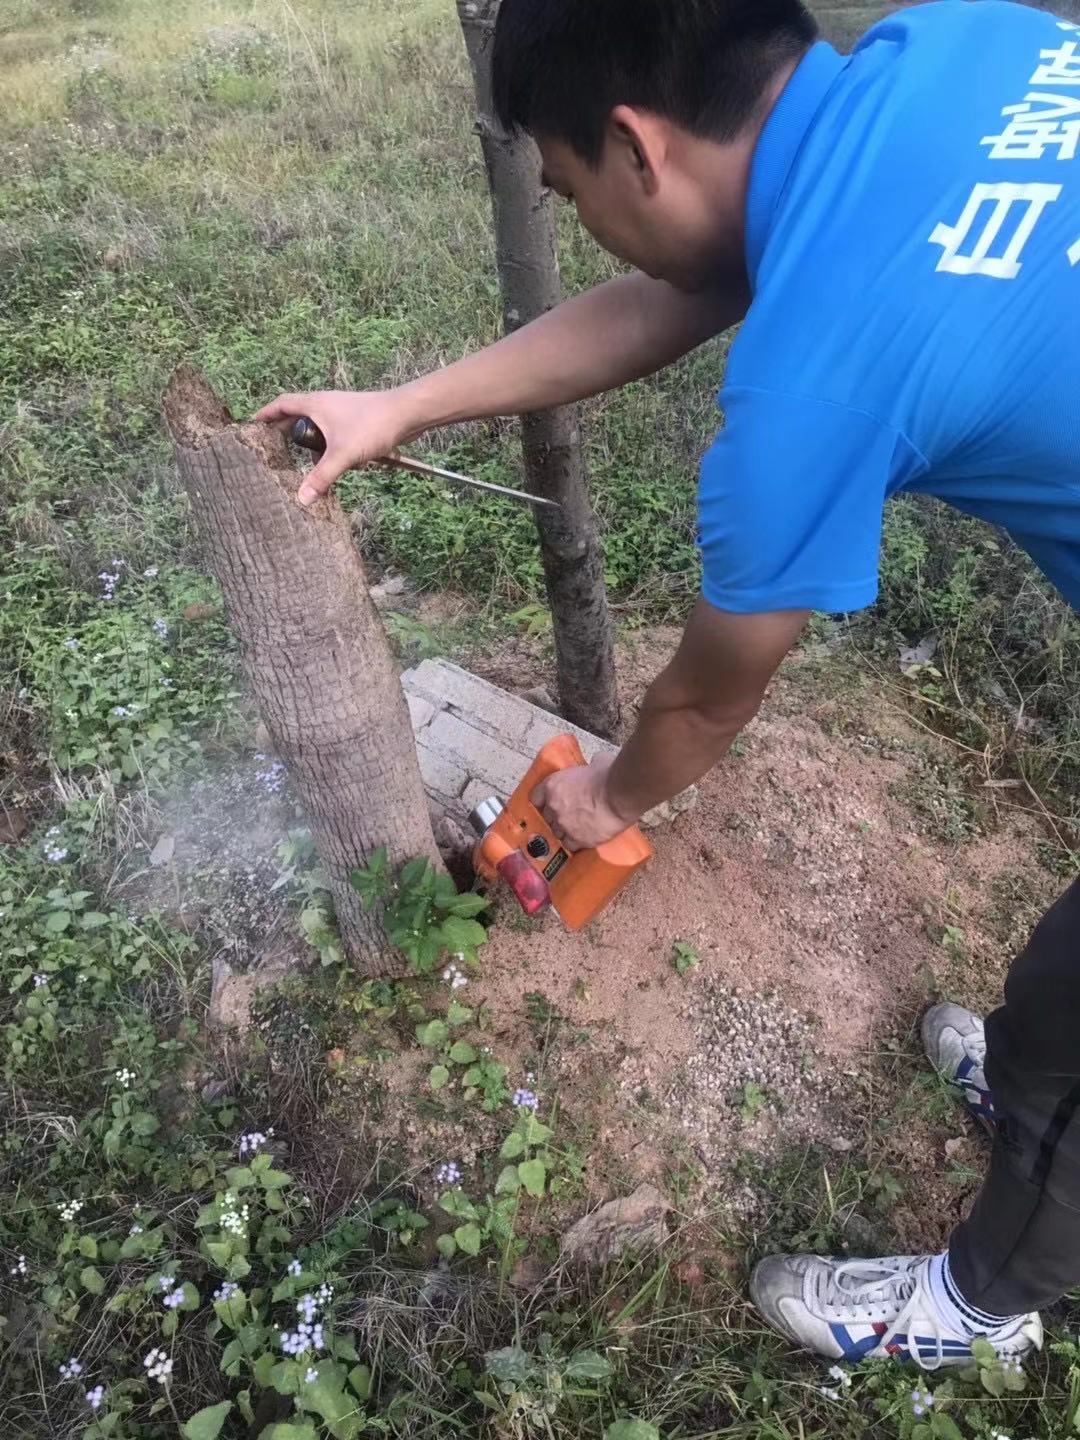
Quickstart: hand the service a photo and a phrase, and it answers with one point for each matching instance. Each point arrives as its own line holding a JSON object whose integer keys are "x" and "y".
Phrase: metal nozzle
{"x": 486, "y": 813}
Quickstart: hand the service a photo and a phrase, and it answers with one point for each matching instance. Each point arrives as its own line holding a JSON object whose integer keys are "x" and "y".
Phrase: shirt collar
{"x": 779, "y": 143}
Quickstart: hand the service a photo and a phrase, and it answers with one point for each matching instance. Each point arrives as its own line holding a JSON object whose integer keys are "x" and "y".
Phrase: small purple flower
{"x": 71, "y": 643}
{"x": 161, "y": 627}
{"x": 311, "y": 1375}
{"x": 525, "y": 1099}
{"x": 272, "y": 778}
{"x": 294, "y": 1268}
{"x": 449, "y": 1173}
{"x": 921, "y": 1402}
{"x": 95, "y": 1397}
{"x": 71, "y": 1369}
{"x": 174, "y": 1299}
{"x": 121, "y": 710}
{"x": 226, "y": 1290}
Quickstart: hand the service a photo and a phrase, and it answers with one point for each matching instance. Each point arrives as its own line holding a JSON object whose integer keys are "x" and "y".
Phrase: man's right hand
{"x": 359, "y": 426}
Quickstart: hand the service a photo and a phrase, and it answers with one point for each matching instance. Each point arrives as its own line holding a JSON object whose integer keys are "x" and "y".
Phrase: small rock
{"x": 635, "y": 1222}
{"x": 541, "y": 697}
{"x": 670, "y": 809}
{"x": 163, "y": 851}
{"x": 528, "y": 1274}
{"x": 387, "y": 590}
{"x": 13, "y": 827}
{"x": 954, "y": 1146}
{"x": 200, "y": 612}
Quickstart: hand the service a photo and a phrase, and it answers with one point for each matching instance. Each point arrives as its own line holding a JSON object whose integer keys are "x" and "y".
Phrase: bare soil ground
{"x": 814, "y": 886}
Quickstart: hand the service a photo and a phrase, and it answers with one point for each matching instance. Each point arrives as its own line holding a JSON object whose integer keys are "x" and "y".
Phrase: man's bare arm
{"x": 691, "y": 714}
{"x": 597, "y": 341}
{"x": 696, "y": 707}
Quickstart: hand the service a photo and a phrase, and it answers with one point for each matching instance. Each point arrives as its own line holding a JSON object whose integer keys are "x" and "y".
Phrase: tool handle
{"x": 561, "y": 753}
{"x": 530, "y": 887}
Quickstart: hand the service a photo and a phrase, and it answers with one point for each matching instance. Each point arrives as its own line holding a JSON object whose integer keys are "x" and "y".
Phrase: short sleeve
{"x": 790, "y": 504}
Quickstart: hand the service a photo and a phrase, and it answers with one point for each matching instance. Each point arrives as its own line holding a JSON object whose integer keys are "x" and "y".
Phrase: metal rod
{"x": 308, "y": 435}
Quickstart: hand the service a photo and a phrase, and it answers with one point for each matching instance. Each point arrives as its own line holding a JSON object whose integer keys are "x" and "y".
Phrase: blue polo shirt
{"x": 913, "y": 240}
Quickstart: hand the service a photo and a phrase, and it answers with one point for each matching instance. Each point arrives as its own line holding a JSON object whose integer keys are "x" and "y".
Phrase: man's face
{"x": 644, "y": 208}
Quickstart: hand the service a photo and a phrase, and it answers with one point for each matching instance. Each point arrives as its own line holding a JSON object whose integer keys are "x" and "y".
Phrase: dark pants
{"x": 1019, "y": 1249}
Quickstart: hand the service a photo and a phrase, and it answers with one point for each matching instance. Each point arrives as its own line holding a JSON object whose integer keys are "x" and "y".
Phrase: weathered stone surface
{"x": 635, "y": 1222}
{"x": 475, "y": 740}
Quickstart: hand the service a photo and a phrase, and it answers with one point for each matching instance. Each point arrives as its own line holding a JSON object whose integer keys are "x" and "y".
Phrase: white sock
{"x": 956, "y": 1312}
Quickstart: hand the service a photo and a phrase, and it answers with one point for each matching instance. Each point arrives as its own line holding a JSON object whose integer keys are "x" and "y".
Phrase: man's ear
{"x": 639, "y": 140}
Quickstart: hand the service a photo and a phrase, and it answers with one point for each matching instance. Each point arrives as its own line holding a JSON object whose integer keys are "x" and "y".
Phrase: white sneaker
{"x": 857, "y": 1309}
{"x": 955, "y": 1043}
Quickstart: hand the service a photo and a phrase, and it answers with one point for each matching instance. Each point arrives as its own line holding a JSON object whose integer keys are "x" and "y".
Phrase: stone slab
{"x": 474, "y": 739}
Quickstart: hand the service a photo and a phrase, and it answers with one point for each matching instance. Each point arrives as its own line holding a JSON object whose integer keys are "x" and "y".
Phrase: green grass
{"x": 291, "y": 196}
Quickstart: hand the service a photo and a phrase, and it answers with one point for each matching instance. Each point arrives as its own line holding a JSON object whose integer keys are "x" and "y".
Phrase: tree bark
{"x": 314, "y": 648}
{"x": 550, "y": 441}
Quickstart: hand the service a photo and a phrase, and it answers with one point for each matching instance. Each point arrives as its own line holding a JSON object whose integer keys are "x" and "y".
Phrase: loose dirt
{"x": 823, "y": 914}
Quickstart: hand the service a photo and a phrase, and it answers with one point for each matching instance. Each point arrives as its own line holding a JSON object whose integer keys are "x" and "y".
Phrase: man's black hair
{"x": 561, "y": 66}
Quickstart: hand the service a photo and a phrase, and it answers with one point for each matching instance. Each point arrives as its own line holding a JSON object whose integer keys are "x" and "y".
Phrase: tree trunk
{"x": 314, "y": 649}
{"x": 551, "y": 441}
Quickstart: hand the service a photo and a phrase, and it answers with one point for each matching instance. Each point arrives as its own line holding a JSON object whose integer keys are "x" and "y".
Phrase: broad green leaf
{"x": 458, "y": 1014}
{"x": 239, "y": 1177}
{"x": 288, "y": 1430}
{"x": 460, "y": 935}
{"x": 143, "y": 1123}
{"x": 360, "y": 1380}
{"x": 438, "y": 1076}
{"x": 468, "y": 904}
{"x": 274, "y": 1179}
{"x": 944, "y": 1427}
{"x": 206, "y": 1424}
{"x": 190, "y": 1301}
{"x": 983, "y": 1352}
{"x": 433, "y": 1034}
{"x": 462, "y": 1053}
{"x": 93, "y": 920}
{"x": 57, "y": 920}
{"x": 469, "y": 1238}
{"x": 509, "y": 1181}
{"x": 233, "y": 1311}
{"x": 631, "y": 1430}
{"x": 446, "y": 1246}
{"x": 511, "y": 1364}
{"x": 536, "y": 1132}
{"x": 88, "y": 1247}
{"x": 91, "y": 1278}
{"x": 512, "y": 1146}
{"x": 587, "y": 1365}
{"x": 218, "y": 1252}
{"x": 533, "y": 1174}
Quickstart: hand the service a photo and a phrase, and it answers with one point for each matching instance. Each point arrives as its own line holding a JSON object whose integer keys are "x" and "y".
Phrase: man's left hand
{"x": 576, "y": 805}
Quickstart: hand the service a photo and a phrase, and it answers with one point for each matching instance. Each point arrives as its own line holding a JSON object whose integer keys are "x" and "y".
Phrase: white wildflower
{"x": 71, "y": 1369}
{"x": 159, "y": 1366}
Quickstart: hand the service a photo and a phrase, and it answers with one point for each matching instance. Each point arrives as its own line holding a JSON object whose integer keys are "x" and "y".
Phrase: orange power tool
{"x": 519, "y": 845}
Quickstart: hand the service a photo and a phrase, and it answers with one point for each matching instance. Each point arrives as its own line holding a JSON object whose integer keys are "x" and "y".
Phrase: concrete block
{"x": 475, "y": 740}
